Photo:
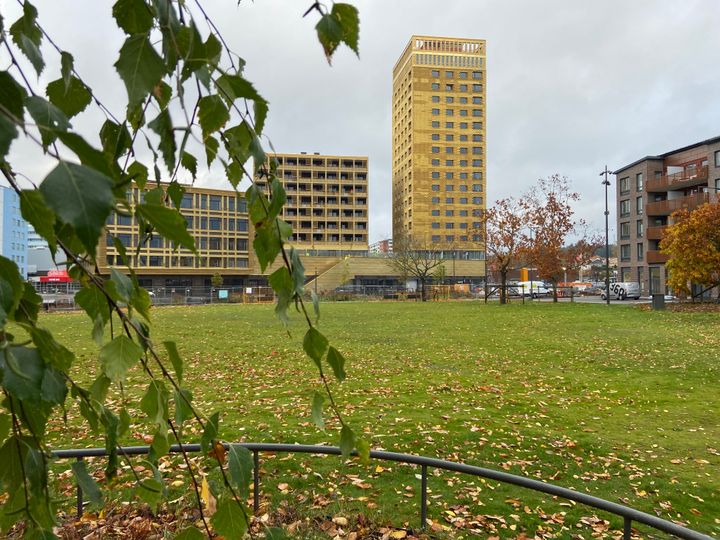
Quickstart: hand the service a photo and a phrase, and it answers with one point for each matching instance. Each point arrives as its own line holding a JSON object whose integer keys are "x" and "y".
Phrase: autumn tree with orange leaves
{"x": 550, "y": 217}
{"x": 693, "y": 244}
{"x": 503, "y": 227}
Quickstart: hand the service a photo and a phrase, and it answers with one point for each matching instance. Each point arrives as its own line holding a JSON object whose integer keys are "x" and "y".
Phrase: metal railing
{"x": 628, "y": 514}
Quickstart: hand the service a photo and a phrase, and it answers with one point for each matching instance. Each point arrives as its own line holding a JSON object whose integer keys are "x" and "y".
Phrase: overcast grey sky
{"x": 572, "y": 85}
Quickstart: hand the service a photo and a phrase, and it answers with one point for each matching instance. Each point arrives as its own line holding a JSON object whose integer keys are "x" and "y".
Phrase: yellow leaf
{"x": 207, "y": 497}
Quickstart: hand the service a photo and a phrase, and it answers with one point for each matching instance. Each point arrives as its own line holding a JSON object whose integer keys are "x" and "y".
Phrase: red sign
{"x": 56, "y": 276}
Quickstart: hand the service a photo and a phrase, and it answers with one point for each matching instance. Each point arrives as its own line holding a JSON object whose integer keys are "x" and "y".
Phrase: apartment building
{"x": 13, "y": 229}
{"x": 327, "y": 202}
{"x": 648, "y": 191}
{"x": 219, "y": 223}
{"x": 439, "y": 147}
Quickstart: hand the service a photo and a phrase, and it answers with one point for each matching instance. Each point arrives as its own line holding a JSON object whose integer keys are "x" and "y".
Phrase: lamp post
{"x": 606, "y": 183}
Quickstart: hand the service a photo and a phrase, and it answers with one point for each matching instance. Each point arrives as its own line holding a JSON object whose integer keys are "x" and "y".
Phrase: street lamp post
{"x": 606, "y": 183}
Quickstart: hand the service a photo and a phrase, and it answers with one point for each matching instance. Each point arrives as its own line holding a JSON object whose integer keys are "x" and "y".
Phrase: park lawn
{"x": 614, "y": 401}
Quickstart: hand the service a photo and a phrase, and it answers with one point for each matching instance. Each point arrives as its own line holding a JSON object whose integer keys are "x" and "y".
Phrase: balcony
{"x": 667, "y": 207}
{"x": 679, "y": 180}
{"x": 655, "y": 257}
{"x": 656, "y": 233}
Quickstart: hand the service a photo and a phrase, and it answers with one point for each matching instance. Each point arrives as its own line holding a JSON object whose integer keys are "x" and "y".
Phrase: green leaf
{"x": 298, "y": 272}
{"x": 315, "y": 345}
{"x": 5, "y": 423}
{"x": 124, "y": 286}
{"x": 89, "y": 156}
{"x": 8, "y": 133}
{"x": 99, "y": 388}
{"x": 27, "y": 36}
{"x": 275, "y": 533}
{"x": 317, "y": 410}
{"x": 233, "y": 87}
{"x": 66, "y": 68}
{"x": 155, "y": 403}
{"x": 162, "y": 93}
{"x": 118, "y": 356}
{"x": 189, "y": 162}
{"x": 160, "y": 445}
{"x": 162, "y": 125}
{"x": 71, "y": 98}
{"x": 347, "y": 441}
{"x": 337, "y": 363}
{"x": 50, "y": 350}
{"x": 269, "y": 237}
{"x": 191, "y": 533}
{"x": 112, "y": 426}
{"x": 347, "y": 16}
{"x": 140, "y": 67}
{"x": 316, "y": 305}
{"x": 212, "y": 426}
{"x": 23, "y": 371}
{"x": 12, "y": 456}
{"x": 330, "y": 34}
{"x": 240, "y": 465}
{"x": 281, "y": 282}
{"x": 150, "y": 490}
{"x": 49, "y": 119}
{"x": 261, "y": 110}
{"x": 36, "y": 212}
{"x": 176, "y": 191}
{"x": 53, "y": 387}
{"x": 183, "y": 409}
{"x": 175, "y": 359}
{"x": 211, "y": 149}
{"x": 11, "y": 289}
{"x": 139, "y": 173}
{"x": 116, "y": 140}
{"x": 81, "y": 197}
{"x": 133, "y": 16}
{"x": 87, "y": 483}
{"x": 94, "y": 302}
{"x": 168, "y": 222}
{"x": 12, "y": 97}
{"x": 212, "y": 114}
{"x": 229, "y": 519}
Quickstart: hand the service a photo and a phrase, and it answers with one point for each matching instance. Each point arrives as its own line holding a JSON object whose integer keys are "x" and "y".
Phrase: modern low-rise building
{"x": 648, "y": 191}
{"x": 13, "y": 229}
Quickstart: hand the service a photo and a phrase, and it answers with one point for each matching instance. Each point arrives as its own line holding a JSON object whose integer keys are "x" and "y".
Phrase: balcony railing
{"x": 679, "y": 180}
{"x": 655, "y": 257}
{"x": 656, "y": 233}
{"x": 667, "y": 207}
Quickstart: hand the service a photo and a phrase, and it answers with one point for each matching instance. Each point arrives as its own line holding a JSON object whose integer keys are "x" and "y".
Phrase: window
{"x": 242, "y": 224}
{"x": 448, "y": 87}
{"x": 436, "y": 187}
{"x": 436, "y": 112}
{"x": 436, "y": 162}
{"x": 477, "y": 175}
{"x": 477, "y": 137}
{"x": 625, "y": 252}
{"x": 203, "y": 201}
{"x": 477, "y": 150}
{"x": 435, "y": 225}
{"x": 463, "y": 175}
{"x": 477, "y": 125}
{"x": 450, "y": 225}
{"x": 477, "y": 188}
{"x": 477, "y": 200}
{"x": 449, "y": 150}
{"x": 477, "y": 87}
{"x": 625, "y": 207}
{"x": 449, "y": 200}
{"x": 477, "y": 162}
{"x": 477, "y": 112}
{"x": 449, "y": 137}
{"x": 477, "y": 100}
{"x": 231, "y": 204}
{"x": 639, "y": 205}
{"x": 463, "y": 112}
{"x": 463, "y": 187}
{"x": 449, "y": 213}
{"x": 449, "y": 162}
{"x": 435, "y": 73}
{"x": 435, "y": 174}
{"x": 187, "y": 201}
{"x": 156, "y": 241}
{"x": 449, "y": 187}
{"x": 435, "y": 124}
{"x": 639, "y": 182}
{"x": 463, "y": 87}
{"x": 215, "y": 243}
{"x": 463, "y": 100}
{"x": 215, "y": 224}
{"x": 435, "y": 99}
{"x": 449, "y": 74}
{"x": 215, "y": 202}
{"x": 463, "y": 74}
{"x": 463, "y": 137}
{"x": 477, "y": 75}
{"x": 449, "y": 238}
{"x": 625, "y": 230}
{"x": 449, "y": 125}
{"x": 448, "y": 112}
{"x": 435, "y": 136}
{"x": 463, "y": 225}
{"x": 449, "y": 99}
{"x": 463, "y": 163}
{"x": 463, "y": 150}
{"x": 435, "y": 86}
{"x": 463, "y": 213}
{"x": 640, "y": 251}
{"x": 435, "y": 212}
{"x": 640, "y": 228}
{"x": 435, "y": 149}
{"x": 436, "y": 200}
{"x": 463, "y": 200}
{"x": 625, "y": 185}
{"x": 717, "y": 158}
{"x": 435, "y": 237}
{"x": 156, "y": 260}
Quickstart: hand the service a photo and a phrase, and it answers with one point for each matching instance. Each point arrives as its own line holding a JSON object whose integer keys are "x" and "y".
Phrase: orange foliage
{"x": 693, "y": 244}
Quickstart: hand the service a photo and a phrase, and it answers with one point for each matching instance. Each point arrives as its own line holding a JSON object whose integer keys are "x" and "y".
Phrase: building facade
{"x": 648, "y": 191}
{"x": 439, "y": 148}
{"x": 327, "y": 202}
{"x": 13, "y": 230}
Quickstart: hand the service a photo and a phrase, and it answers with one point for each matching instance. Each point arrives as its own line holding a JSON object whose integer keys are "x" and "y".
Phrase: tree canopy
{"x": 187, "y": 100}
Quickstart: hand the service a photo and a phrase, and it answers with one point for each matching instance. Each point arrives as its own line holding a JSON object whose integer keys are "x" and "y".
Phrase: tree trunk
{"x": 555, "y": 296}
{"x": 422, "y": 290}
{"x": 503, "y": 287}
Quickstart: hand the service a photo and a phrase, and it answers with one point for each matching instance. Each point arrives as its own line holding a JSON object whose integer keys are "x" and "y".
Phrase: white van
{"x": 623, "y": 290}
{"x": 533, "y": 288}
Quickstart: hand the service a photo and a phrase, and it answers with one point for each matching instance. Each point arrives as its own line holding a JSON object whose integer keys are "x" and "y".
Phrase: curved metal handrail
{"x": 628, "y": 514}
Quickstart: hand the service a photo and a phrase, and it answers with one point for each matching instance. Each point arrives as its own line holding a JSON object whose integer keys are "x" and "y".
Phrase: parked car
{"x": 623, "y": 290}
{"x": 533, "y": 289}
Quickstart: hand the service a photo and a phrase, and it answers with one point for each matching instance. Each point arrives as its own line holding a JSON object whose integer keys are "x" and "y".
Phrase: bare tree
{"x": 414, "y": 258}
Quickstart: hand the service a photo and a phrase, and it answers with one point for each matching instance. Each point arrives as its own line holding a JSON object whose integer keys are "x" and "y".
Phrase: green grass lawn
{"x": 614, "y": 401}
